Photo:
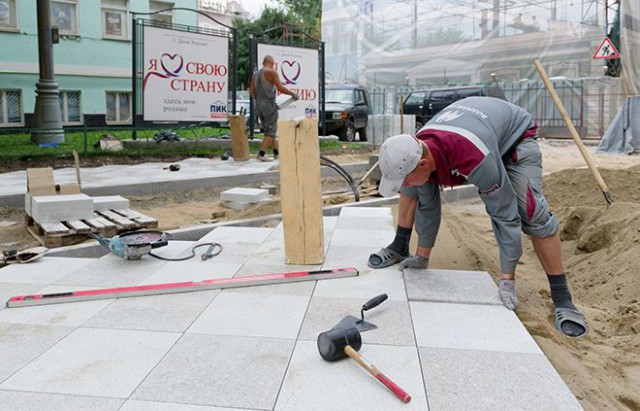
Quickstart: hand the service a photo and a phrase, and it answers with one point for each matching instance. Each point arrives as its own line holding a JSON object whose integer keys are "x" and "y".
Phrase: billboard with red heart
{"x": 185, "y": 76}
{"x": 298, "y": 71}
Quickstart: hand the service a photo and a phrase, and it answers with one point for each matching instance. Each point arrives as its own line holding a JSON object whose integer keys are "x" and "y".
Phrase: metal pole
{"x": 322, "y": 90}
{"x": 47, "y": 118}
{"x": 134, "y": 76}
{"x": 252, "y": 126}
{"x": 234, "y": 61}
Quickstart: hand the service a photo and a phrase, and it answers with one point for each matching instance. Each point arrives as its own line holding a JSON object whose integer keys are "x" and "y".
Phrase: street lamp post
{"x": 47, "y": 119}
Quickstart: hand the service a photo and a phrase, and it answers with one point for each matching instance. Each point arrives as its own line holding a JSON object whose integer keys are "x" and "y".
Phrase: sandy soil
{"x": 600, "y": 246}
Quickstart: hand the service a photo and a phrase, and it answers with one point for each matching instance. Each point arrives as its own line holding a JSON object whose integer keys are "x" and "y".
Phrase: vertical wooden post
{"x": 301, "y": 191}
{"x": 239, "y": 142}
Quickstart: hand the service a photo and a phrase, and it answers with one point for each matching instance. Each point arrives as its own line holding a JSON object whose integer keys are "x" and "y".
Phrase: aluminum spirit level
{"x": 183, "y": 287}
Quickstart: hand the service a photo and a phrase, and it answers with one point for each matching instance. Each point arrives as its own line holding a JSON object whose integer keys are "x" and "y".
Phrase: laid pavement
{"x": 442, "y": 335}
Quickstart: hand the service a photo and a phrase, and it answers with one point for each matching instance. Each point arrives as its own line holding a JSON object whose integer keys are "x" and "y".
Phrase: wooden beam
{"x": 301, "y": 191}
{"x": 239, "y": 142}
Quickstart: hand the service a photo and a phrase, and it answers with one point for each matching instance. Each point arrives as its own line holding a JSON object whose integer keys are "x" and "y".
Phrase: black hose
{"x": 344, "y": 174}
{"x": 193, "y": 252}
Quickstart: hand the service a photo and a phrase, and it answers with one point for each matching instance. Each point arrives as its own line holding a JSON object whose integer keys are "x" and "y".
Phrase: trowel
{"x": 360, "y": 323}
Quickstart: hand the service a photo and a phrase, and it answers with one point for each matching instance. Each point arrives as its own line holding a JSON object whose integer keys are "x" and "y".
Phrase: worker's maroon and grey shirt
{"x": 468, "y": 140}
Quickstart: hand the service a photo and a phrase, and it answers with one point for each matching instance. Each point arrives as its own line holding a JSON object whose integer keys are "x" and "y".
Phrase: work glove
{"x": 416, "y": 261}
{"x": 507, "y": 293}
{"x": 295, "y": 96}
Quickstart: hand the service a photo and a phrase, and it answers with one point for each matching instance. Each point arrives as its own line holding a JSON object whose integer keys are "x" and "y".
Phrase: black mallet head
{"x": 331, "y": 343}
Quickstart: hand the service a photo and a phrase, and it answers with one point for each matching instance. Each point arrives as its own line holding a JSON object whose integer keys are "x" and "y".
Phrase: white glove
{"x": 295, "y": 96}
{"x": 416, "y": 261}
{"x": 507, "y": 293}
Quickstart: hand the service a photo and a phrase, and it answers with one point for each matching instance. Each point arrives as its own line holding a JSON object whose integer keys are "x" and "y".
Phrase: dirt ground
{"x": 601, "y": 252}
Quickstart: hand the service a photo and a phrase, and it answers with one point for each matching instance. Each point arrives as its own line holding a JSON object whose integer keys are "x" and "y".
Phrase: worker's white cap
{"x": 399, "y": 155}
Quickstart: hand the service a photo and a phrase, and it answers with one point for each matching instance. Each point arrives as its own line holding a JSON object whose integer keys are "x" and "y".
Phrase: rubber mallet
{"x": 339, "y": 343}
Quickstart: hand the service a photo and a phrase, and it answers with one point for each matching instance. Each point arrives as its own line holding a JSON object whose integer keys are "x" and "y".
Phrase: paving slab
{"x": 42, "y": 271}
{"x": 392, "y": 318}
{"x": 21, "y": 343}
{"x": 451, "y": 286}
{"x": 314, "y": 384}
{"x": 487, "y": 380}
{"x": 259, "y": 315}
{"x": 223, "y": 371}
{"x": 192, "y": 270}
{"x": 470, "y": 327}
{"x": 171, "y": 312}
{"x": 102, "y": 363}
{"x": 135, "y": 405}
{"x": 30, "y": 401}
{"x": 366, "y": 285}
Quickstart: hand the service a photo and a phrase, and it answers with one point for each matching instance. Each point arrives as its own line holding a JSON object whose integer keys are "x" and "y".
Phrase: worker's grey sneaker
{"x": 262, "y": 158}
{"x": 275, "y": 157}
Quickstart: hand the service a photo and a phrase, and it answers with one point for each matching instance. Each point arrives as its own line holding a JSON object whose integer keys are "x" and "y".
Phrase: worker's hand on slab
{"x": 416, "y": 261}
{"x": 507, "y": 292}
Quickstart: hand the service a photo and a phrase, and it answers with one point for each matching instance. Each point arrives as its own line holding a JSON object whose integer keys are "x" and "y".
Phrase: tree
{"x": 289, "y": 24}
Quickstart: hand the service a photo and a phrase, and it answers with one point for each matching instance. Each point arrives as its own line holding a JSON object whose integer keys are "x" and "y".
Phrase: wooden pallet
{"x": 106, "y": 223}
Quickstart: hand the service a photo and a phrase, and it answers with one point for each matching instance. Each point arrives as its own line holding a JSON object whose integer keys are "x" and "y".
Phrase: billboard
{"x": 185, "y": 76}
{"x": 298, "y": 71}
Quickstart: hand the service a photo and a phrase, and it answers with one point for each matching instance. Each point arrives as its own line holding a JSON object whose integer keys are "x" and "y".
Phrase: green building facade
{"x": 93, "y": 59}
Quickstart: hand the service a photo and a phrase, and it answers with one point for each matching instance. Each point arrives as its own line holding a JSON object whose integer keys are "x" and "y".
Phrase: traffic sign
{"x": 606, "y": 50}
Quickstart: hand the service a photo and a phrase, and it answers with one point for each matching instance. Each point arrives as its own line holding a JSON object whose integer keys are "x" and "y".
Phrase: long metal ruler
{"x": 183, "y": 287}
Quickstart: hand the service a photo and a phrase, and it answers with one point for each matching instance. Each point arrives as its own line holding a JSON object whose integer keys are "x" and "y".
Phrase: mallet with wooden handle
{"x": 574, "y": 133}
{"x": 338, "y": 343}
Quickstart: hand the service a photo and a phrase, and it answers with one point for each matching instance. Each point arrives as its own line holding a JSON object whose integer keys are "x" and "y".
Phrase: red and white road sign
{"x": 606, "y": 50}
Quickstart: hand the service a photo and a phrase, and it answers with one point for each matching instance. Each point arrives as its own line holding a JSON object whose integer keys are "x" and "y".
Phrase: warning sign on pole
{"x": 606, "y": 50}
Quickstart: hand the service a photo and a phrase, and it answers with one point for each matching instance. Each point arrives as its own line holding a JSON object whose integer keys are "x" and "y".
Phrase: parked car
{"x": 347, "y": 109}
{"x": 425, "y": 104}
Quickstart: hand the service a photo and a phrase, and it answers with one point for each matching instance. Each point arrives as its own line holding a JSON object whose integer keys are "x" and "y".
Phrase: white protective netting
{"x": 393, "y": 47}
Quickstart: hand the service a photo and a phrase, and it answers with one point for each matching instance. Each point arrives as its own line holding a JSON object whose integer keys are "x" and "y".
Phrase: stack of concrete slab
{"x": 105, "y": 203}
{"x": 56, "y": 208}
{"x": 240, "y": 198}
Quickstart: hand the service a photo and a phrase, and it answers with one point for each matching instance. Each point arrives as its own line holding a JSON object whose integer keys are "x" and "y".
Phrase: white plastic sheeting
{"x": 419, "y": 43}
{"x": 623, "y": 134}
{"x": 630, "y": 46}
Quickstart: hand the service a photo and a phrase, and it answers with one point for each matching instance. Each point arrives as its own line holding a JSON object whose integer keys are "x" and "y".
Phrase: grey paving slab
{"x": 485, "y": 380}
{"x": 192, "y": 270}
{"x": 470, "y": 327}
{"x": 367, "y": 284}
{"x": 359, "y": 237}
{"x": 224, "y": 371}
{"x": 237, "y": 235}
{"x": 30, "y": 401}
{"x": 171, "y": 312}
{"x": 350, "y": 256}
{"x": 21, "y": 343}
{"x": 68, "y": 314}
{"x": 107, "y": 363}
{"x": 365, "y": 212}
{"x": 302, "y": 289}
{"x": 233, "y": 253}
{"x": 42, "y": 271}
{"x": 451, "y": 286}
{"x": 314, "y": 384}
{"x": 258, "y": 315}
{"x": 135, "y": 405}
{"x": 392, "y": 318}
{"x": 112, "y": 271}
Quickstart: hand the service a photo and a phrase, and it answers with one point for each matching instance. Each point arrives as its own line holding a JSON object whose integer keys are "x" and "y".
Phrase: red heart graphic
{"x": 290, "y": 71}
{"x": 171, "y": 64}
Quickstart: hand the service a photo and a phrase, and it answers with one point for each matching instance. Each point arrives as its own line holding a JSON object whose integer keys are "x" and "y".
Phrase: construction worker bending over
{"x": 491, "y": 144}
{"x": 263, "y": 89}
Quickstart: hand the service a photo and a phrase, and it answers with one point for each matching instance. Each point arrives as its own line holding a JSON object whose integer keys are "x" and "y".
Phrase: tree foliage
{"x": 292, "y": 23}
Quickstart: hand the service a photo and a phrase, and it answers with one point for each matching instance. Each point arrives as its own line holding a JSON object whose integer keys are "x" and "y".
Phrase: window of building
{"x": 165, "y": 16}
{"x": 70, "y": 108}
{"x": 118, "y": 107}
{"x": 64, "y": 15}
{"x": 8, "y": 15}
{"x": 11, "y": 108}
{"x": 114, "y": 19}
